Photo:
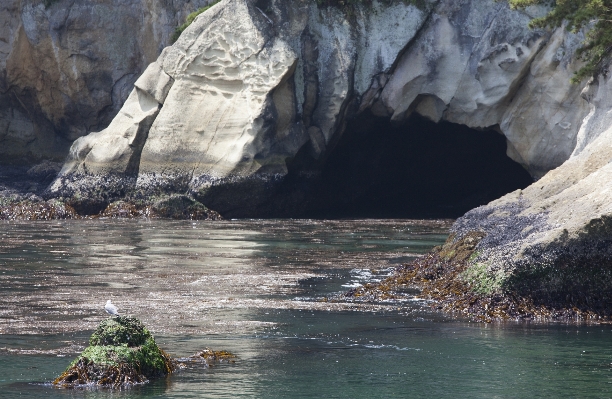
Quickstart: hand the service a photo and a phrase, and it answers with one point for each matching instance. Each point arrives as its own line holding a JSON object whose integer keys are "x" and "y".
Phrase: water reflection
{"x": 185, "y": 277}
{"x": 252, "y": 287}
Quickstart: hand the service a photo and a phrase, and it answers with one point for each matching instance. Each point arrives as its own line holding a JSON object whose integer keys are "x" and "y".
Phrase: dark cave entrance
{"x": 416, "y": 169}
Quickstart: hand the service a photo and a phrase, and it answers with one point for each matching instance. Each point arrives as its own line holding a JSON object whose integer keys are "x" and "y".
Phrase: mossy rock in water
{"x": 120, "y": 330}
{"x": 121, "y": 352}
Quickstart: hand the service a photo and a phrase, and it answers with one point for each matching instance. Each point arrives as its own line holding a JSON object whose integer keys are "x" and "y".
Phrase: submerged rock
{"x": 121, "y": 352}
{"x": 180, "y": 206}
{"x": 209, "y": 357}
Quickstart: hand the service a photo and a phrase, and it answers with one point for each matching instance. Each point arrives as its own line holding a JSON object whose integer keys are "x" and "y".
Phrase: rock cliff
{"x": 248, "y": 86}
{"x": 67, "y": 68}
{"x": 552, "y": 242}
{"x": 253, "y": 88}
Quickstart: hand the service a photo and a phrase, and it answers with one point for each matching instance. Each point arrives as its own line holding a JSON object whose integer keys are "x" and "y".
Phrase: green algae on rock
{"x": 455, "y": 279}
{"x": 121, "y": 352}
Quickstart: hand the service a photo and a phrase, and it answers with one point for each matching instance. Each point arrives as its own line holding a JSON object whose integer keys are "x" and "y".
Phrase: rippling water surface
{"x": 258, "y": 289}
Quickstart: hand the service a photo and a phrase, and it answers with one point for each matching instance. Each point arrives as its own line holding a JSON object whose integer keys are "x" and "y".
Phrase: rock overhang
{"x": 247, "y": 90}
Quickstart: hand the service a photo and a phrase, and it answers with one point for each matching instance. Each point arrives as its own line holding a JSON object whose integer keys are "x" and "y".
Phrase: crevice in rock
{"x": 415, "y": 38}
{"x": 137, "y": 145}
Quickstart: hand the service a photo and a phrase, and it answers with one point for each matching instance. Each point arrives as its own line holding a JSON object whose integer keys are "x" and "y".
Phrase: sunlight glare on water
{"x": 256, "y": 288}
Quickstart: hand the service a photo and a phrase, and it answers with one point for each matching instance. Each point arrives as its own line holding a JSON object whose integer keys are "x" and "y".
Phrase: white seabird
{"x": 110, "y": 308}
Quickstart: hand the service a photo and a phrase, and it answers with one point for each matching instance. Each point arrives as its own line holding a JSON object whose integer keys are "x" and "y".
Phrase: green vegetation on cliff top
{"x": 190, "y": 18}
{"x": 596, "y": 14}
{"x": 339, "y": 3}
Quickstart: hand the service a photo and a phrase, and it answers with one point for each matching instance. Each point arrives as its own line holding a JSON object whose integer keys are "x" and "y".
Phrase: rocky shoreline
{"x": 444, "y": 278}
{"x": 168, "y": 207}
{"x": 23, "y": 196}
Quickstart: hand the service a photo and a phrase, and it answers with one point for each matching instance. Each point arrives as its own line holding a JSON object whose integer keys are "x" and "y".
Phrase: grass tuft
{"x": 188, "y": 21}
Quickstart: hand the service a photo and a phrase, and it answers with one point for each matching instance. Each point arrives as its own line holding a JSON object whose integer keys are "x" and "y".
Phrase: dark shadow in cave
{"x": 417, "y": 169}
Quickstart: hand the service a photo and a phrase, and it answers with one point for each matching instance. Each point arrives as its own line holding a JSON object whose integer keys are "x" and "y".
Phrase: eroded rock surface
{"x": 66, "y": 69}
{"x": 552, "y": 241}
{"x": 249, "y": 88}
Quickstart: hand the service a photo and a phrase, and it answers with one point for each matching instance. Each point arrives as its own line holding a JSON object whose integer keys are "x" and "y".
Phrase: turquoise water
{"x": 255, "y": 288}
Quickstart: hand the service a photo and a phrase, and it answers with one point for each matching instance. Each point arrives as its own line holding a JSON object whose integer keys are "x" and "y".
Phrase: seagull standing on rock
{"x": 111, "y": 309}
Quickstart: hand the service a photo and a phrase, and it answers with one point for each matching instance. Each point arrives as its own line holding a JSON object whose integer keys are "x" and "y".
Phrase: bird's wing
{"x": 110, "y": 308}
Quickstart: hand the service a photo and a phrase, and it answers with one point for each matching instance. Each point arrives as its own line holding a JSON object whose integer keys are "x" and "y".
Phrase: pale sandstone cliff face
{"x": 66, "y": 70}
{"x": 250, "y": 89}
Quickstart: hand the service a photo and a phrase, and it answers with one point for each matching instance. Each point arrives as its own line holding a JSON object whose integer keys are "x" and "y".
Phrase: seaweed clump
{"x": 451, "y": 279}
{"x": 210, "y": 356}
{"x": 121, "y": 352}
{"x": 35, "y": 209}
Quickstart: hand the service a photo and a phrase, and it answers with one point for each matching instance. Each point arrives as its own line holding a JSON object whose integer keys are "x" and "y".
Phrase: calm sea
{"x": 268, "y": 291}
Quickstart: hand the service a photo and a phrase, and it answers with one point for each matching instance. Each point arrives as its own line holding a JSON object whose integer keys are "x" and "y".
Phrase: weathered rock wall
{"x": 552, "y": 242}
{"x": 476, "y": 64}
{"x": 66, "y": 69}
{"x": 251, "y": 86}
